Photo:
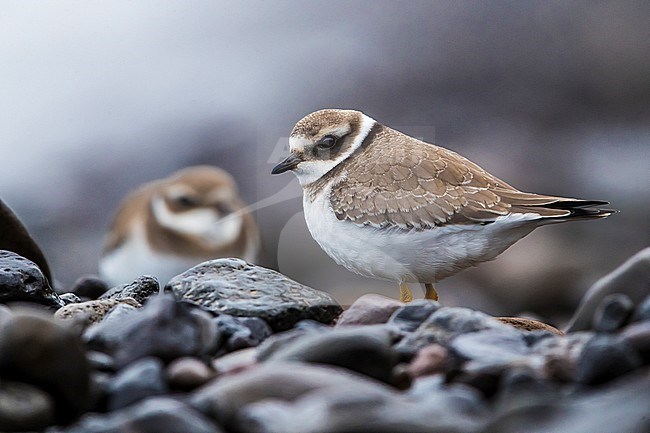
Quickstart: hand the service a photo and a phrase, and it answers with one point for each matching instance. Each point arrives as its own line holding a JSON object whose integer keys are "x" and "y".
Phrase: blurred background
{"x": 551, "y": 96}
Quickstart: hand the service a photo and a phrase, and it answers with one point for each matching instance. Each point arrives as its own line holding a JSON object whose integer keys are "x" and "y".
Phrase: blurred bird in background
{"x": 169, "y": 225}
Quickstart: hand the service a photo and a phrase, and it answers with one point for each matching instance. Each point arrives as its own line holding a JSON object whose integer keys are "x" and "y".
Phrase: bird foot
{"x": 405, "y": 294}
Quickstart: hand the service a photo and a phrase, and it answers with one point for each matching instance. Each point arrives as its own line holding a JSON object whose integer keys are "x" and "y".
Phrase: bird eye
{"x": 327, "y": 142}
{"x": 185, "y": 201}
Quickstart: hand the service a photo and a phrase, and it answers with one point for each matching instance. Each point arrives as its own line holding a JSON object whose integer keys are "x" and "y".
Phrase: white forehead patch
{"x": 310, "y": 171}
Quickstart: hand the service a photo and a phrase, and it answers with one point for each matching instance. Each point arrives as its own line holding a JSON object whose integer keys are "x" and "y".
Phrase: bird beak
{"x": 289, "y": 163}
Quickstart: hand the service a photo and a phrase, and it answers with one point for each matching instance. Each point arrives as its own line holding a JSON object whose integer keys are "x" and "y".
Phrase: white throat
{"x": 308, "y": 172}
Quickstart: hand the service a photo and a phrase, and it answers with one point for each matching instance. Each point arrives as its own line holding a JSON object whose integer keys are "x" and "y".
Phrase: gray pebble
{"x": 143, "y": 378}
{"x": 612, "y": 312}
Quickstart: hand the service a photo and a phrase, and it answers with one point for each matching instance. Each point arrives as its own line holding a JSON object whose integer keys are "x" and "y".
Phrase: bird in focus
{"x": 169, "y": 225}
{"x": 386, "y": 205}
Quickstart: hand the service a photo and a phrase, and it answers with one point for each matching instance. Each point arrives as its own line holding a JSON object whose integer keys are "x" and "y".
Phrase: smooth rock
{"x": 83, "y": 314}
{"x": 409, "y": 317}
{"x": 69, "y": 298}
{"x": 612, "y": 313}
{"x": 188, "y": 373}
{"x": 369, "y": 309}
{"x": 560, "y": 354}
{"x": 139, "y": 380}
{"x": 89, "y": 286}
{"x": 529, "y": 325}
{"x": 100, "y": 361}
{"x": 495, "y": 347}
{"x": 164, "y": 327}
{"x": 445, "y": 324}
{"x": 36, "y": 349}
{"x": 604, "y": 358}
{"x": 16, "y": 238}
{"x": 141, "y": 289}
{"x": 21, "y": 280}
{"x": 637, "y": 335}
{"x": 642, "y": 311}
{"x": 235, "y": 362}
{"x": 241, "y": 332}
{"x": 223, "y": 398}
{"x": 631, "y": 279}
{"x": 366, "y": 350}
{"x": 153, "y": 415}
{"x": 24, "y": 407}
{"x": 432, "y": 359}
{"x": 235, "y": 287}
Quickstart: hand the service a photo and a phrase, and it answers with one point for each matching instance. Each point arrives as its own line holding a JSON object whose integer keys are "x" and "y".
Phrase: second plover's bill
{"x": 386, "y": 205}
{"x": 169, "y": 225}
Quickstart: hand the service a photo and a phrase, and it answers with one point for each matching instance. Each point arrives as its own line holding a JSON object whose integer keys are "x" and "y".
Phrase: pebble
{"x": 153, "y": 415}
{"x": 432, "y": 359}
{"x": 69, "y": 298}
{"x": 241, "y": 332}
{"x": 612, "y": 313}
{"x": 235, "y": 287}
{"x": 369, "y": 310}
{"x": 83, "y": 314}
{"x": 529, "y": 325}
{"x": 36, "y": 349}
{"x": 164, "y": 328}
{"x": 637, "y": 335}
{"x": 141, "y": 289}
{"x": 24, "y": 407}
{"x": 187, "y": 373}
{"x": 89, "y": 286}
{"x": 642, "y": 311}
{"x": 491, "y": 347}
{"x": 604, "y": 358}
{"x": 140, "y": 379}
{"x": 409, "y": 317}
{"x": 367, "y": 350}
{"x": 235, "y": 362}
{"x": 22, "y": 281}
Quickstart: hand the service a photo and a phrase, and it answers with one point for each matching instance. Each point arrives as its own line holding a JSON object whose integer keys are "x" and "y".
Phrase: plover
{"x": 386, "y": 205}
{"x": 172, "y": 224}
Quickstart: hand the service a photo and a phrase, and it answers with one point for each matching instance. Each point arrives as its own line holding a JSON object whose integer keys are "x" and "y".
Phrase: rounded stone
{"x": 24, "y": 407}
{"x": 143, "y": 378}
{"x": 36, "y": 349}
{"x": 612, "y": 312}
{"x": 69, "y": 298}
{"x": 409, "y": 317}
{"x": 432, "y": 359}
{"x": 642, "y": 311}
{"x": 369, "y": 310}
{"x": 89, "y": 286}
{"x": 604, "y": 358}
{"x": 81, "y": 315}
{"x": 21, "y": 280}
{"x": 140, "y": 289}
{"x": 188, "y": 373}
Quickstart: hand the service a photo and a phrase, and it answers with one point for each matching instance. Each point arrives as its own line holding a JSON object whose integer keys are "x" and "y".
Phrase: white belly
{"x": 423, "y": 256}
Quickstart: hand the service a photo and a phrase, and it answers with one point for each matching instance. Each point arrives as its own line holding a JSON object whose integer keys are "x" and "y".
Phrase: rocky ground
{"x": 232, "y": 347}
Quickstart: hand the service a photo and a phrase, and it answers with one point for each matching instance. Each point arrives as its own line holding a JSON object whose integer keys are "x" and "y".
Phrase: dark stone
{"x": 164, "y": 328}
{"x": 612, "y": 313}
{"x": 235, "y": 287}
{"x": 36, "y": 349}
{"x": 445, "y": 324}
{"x": 642, "y": 311}
{"x": 560, "y": 354}
{"x": 22, "y": 281}
{"x": 631, "y": 279}
{"x": 409, "y": 317}
{"x": 24, "y": 407}
{"x": 89, "y": 286}
{"x": 69, "y": 298}
{"x": 153, "y": 415}
{"x": 16, "y": 238}
{"x": 140, "y": 290}
{"x": 369, "y": 309}
{"x": 493, "y": 347}
{"x": 637, "y": 335}
{"x": 224, "y": 398}
{"x": 366, "y": 350}
{"x": 241, "y": 332}
{"x": 604, "y": 358}
{"x": 140, "y": 379}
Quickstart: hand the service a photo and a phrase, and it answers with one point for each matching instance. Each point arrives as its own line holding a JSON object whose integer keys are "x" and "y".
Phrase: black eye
{"x": 185, "y": 201}
{"x": 327, "y": 142}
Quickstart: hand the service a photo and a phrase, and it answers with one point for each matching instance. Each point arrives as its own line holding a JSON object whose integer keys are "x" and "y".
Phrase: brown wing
{"x": 400, "y": 181}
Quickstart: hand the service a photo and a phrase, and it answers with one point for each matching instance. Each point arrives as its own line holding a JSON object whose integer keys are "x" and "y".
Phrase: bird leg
{"x": 430, "y": 292}
{"x": 405, "y": 294}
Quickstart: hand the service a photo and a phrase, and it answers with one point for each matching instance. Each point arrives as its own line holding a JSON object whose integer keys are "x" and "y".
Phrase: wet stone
{"x": 141, "y": 379}
{"x": 69, "y": 298}
{"x": 612, "y": 313}
{"x": 234, "y": 287}
{"x": 22, "y": 281}
{"x": 141, "y": 289}
{"x": 241, "y": 332}
{"x": 491, "y": 347}
{"x": 83, "y": 314}
{"x": 89, "y": 287}
{"x": 604, "y": 358}
{"x": 164, "y": 328}
{"x": 369, "y": 310}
